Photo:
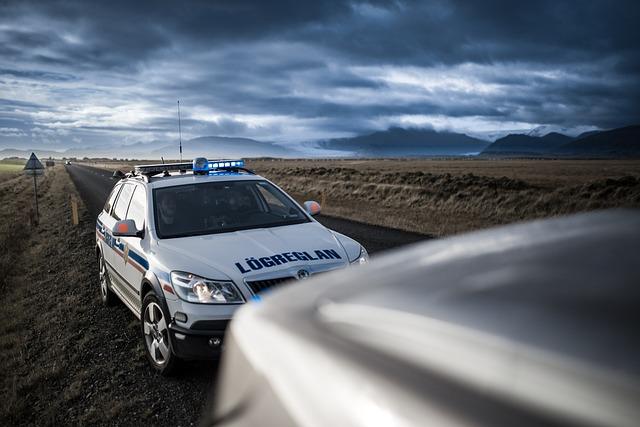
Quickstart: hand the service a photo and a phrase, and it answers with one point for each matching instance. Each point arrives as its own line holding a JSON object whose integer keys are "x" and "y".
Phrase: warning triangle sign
{"x": 33, "y": 163}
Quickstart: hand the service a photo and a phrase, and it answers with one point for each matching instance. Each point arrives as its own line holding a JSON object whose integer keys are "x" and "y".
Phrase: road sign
{"x": 34, "y": 168}
{"x": 33, "y": 163}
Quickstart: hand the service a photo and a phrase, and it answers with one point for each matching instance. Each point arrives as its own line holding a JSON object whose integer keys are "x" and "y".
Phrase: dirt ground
{"x": 64, "y": 358}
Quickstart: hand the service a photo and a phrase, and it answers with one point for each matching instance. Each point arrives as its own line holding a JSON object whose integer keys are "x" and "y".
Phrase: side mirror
{"x": 126, "y": 228}
{"x": 312, "y": 208}
{"x": 117, "y": 175}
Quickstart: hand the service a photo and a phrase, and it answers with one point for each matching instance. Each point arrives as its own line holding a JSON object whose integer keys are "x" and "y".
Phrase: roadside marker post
{"x": 34, "y": 168}
{"x": 74, "y": 211}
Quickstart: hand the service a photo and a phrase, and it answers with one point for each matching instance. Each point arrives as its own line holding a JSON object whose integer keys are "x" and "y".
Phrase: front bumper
{"x": 203, "y": 341}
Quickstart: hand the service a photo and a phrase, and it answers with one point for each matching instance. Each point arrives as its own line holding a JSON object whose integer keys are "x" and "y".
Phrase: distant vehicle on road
{"x": 67, "y": 162}
{"x": 525, "y": 325}
{"x": 184, "y": 245}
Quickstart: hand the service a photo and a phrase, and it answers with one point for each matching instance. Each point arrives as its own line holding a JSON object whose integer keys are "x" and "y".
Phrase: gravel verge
{"x": 64, "y": 358}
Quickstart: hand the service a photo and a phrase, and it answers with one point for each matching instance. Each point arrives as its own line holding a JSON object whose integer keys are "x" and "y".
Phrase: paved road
{"x": 94, "y": 186}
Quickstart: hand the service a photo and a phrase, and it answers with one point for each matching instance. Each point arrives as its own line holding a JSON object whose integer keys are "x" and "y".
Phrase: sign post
{"x": 34, "y": 168}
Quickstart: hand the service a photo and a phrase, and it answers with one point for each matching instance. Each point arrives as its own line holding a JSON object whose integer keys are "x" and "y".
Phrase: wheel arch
{"x": 150, "y": 282}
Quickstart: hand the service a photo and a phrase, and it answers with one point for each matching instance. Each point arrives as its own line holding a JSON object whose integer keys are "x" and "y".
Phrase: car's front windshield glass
{"x": 218, "y": 207}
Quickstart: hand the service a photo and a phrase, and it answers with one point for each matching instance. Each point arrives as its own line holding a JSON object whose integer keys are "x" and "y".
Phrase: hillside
{"x": 208, "y": 146}
{"x": 225, "y": 147}
{"x": 621, "y": 142}
{"x": 398, "y": 142}
{"x": 615, "y": 143}
{"x": 24, "y": 154}
{"x": 527, "y": 145}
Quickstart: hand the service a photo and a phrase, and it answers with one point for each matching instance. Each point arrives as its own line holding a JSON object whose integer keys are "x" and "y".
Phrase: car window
{"x": 219, "y": 207}
{"x": 111, "y": 199}
{"x": 122, "y": 203}
{"x": 137, "y": 207}
{"x": 274, "y": 204}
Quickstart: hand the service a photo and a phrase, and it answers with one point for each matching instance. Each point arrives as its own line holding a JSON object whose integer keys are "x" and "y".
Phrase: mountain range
{"x": 394, "y": 142}
{"x": 519, "y": 144}
{"x": 207, "y": 146}
{"x": 400, "y": 142}
{"x": 620, "y": 142}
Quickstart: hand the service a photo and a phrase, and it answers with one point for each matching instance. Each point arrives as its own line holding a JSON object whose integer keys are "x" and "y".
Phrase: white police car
{"x": 183, "y": 245}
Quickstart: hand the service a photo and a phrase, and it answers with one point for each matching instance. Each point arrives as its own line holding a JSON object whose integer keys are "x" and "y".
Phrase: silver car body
{"x": 531, "y": 324}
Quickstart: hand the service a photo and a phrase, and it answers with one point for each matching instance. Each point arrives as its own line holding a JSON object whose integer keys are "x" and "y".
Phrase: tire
{"x": 155, "y": 335}
{"x": 107, "y": 297}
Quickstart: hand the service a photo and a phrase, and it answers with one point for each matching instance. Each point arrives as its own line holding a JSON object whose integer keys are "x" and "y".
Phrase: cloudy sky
{"x": 90, "y": 73}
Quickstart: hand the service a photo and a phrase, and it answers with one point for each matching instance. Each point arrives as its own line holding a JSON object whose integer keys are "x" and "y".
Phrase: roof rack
{"x": 151, "y": 170}
{"x": 203, "y": 167}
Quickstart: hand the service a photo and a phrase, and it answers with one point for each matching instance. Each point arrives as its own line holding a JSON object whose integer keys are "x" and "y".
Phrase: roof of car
{"x": 176, "y": 178}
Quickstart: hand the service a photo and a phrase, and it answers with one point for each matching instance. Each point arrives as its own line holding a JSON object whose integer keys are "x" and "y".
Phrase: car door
{"x": 104, "y": 226}
{"x": 119, "y": 212}
{"x": 135, "y": 263}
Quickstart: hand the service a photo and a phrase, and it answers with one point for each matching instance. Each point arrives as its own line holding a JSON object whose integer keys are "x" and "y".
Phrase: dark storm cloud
{"x": 123, "y": 128}
{"x": 296, "y": 70}
{"x": 38, "y": 75}
{"x": 6, "y": 104}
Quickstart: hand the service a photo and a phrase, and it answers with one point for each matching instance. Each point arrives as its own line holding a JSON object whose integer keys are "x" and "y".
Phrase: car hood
{"x": 257, "y": 253}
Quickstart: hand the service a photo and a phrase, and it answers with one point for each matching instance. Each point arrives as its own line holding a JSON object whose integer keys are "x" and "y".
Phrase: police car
{"x": 184, "y": 245}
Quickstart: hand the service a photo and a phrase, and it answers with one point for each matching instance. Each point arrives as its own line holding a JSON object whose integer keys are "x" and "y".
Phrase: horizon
{"x": 317, "y": 151}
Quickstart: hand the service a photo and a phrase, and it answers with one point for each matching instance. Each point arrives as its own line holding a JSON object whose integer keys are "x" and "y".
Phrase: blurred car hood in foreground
{"x": 527, "y": 324}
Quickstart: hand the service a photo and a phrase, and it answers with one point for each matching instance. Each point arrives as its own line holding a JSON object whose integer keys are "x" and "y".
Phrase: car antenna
{"x": 179, "y": 131}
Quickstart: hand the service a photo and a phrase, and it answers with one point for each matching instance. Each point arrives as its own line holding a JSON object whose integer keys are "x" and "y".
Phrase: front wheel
{"x": 155, "y": 332}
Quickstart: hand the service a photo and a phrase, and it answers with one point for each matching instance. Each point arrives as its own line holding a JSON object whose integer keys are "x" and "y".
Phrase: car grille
{"x": 210, "y": 325}
{"x": 258, "y": 286}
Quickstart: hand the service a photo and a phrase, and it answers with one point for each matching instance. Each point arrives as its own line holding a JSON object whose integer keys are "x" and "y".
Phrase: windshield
{"x": 219, "y": 207}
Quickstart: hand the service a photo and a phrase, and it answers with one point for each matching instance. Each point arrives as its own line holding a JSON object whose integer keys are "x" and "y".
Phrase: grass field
{"x": 4, "y": 167}
{"x": 10, "y": 168}
{"x": 448, "y": 196}
{"x": 442, "y": 197}
{"x": 9, "y": 171}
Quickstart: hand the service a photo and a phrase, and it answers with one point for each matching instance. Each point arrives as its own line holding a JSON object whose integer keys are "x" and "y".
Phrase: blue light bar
{"x": 200, "y": 166}
{"x": 219, "y": 164}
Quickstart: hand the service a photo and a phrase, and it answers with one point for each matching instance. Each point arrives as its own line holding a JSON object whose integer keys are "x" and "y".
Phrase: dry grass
{"x": 18, "y": 239}
{"x": 448, "y": 196}
{"x": 444, "y": 197}
{"x": 16, "y": 209}
{"x": 64, "y": 358}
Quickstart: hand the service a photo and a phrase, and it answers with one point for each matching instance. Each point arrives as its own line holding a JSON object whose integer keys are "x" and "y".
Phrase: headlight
{"x": 192, "y": 288}
{"x": 363, "y": 258}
